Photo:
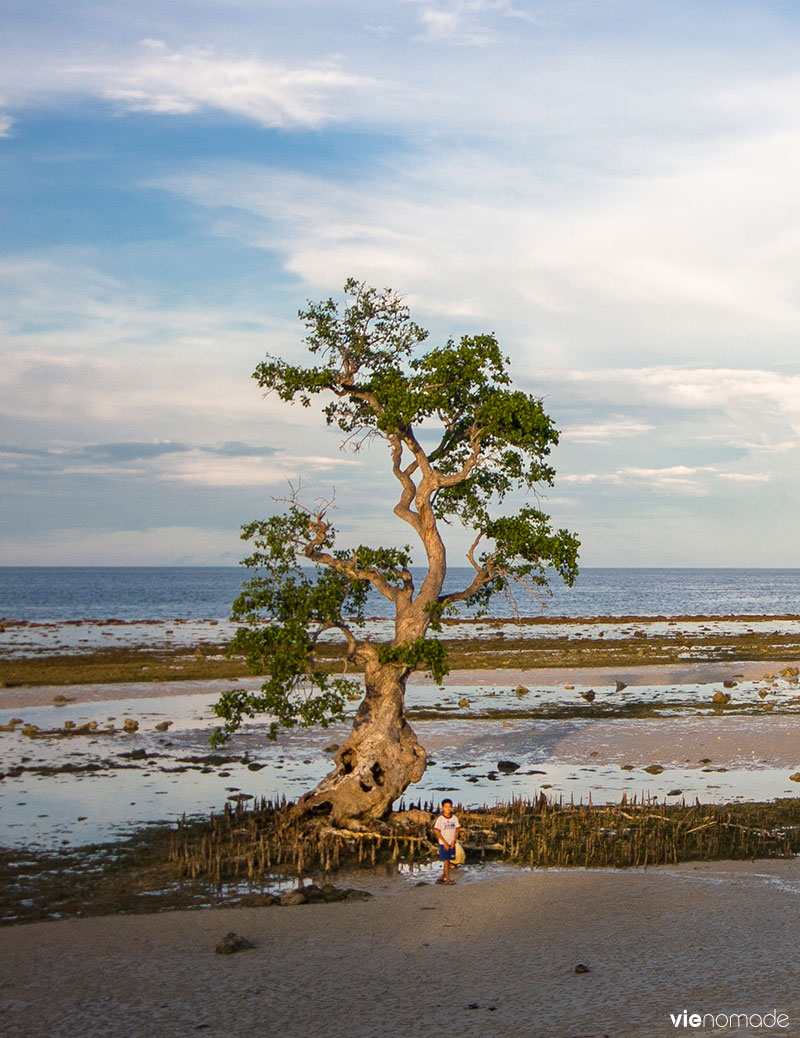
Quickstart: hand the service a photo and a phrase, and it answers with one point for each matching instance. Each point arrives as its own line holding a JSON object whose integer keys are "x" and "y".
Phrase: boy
{"x": 447, "y": 828}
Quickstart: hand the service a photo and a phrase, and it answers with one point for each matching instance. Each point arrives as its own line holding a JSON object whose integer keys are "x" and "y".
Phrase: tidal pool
{"x": 92, "y": 787}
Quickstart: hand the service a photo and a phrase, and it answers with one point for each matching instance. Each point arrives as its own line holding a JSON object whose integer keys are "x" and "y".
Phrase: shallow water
{"x": 162, "y": 781}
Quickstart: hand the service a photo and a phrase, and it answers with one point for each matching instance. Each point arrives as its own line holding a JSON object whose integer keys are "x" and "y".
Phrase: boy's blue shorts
{"x": 446, "y": 853}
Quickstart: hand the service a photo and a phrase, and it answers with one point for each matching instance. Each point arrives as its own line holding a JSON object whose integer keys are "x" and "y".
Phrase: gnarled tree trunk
{"x": 379, "y": 759}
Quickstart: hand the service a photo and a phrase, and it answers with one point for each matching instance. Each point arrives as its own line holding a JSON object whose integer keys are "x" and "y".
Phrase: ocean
{"x": 64, "y": 593}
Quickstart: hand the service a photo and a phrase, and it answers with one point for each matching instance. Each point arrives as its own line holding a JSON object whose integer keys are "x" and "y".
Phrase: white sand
{"x": 711, "y": 938}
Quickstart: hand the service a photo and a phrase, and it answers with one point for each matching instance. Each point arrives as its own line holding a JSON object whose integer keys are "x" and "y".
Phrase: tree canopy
{"x": 459, "y": 441}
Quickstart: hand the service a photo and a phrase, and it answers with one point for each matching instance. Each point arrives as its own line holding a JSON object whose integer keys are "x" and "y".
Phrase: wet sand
{"x": 484, "y": 959}
{"x": 677, "y": 674}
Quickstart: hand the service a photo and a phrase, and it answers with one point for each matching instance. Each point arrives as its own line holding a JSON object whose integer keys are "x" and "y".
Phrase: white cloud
{"x": 630, "y": 268}
{"x": 166, "y": 82}
{"x": 245, "y": 471}
{"x": 752, "y": 408}
{"x": 604, "y": 431}
{"x": 465, "y": 22}
{"x": 692, "y": 479}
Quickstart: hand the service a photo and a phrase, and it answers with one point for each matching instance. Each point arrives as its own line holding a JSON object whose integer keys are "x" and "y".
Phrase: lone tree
{"x": 459, "y": 440}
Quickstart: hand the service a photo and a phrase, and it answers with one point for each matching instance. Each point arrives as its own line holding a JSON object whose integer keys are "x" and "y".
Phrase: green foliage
{"x": 422, "y": 654}
{"x": 490, "y": 441}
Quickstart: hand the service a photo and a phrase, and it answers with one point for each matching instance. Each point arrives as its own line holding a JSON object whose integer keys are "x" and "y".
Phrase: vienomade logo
{"x": 730, "y": 1020}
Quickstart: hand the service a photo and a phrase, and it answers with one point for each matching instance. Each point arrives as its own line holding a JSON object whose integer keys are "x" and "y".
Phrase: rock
{"x": 334, "y": 746}
{"x": 721, "y": 698}
{"x": 580, "y": 968}
{"x": 619, "y": 685}
{"x": 255, "y": 766}
{"x": 463, "y": 702}
{"x": 626, "y": 767}
{"x": 521, "y": 691}
{"x": 163, "y": 726}
{"x": 411, "y": 817}
{"x": 729, "y": 683}
{"x": 129, "y": 725}
{"x": 795, "y": 777}
{"x": 790, "y": 672}
{"x": 240, "y": 798}
{"x": 653, "y": 769}
{"x": 231, "y": 943}
{"x": 507, "y": 767}
{"x": 356, "y": 895}
{"x": 292, "y": 897}
{"x": 674, "y": 793}
{"x": 589, "y": 695}
{"x": 258, "y": 900}
{"x": 763, "y": 693}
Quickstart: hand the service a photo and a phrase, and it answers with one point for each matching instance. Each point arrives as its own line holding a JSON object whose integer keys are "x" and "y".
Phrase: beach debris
{"x": 507, "y": 767}
{"x": 619, "y": 685}
{"x": 581, "y": 968}
{"x": 231, "y": 943}
{"x": 521, "y": 691}
{"x": 588, "y": 695}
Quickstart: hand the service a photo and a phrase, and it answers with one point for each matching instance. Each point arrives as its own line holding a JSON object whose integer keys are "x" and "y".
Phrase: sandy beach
{"x": 496, "y": 957}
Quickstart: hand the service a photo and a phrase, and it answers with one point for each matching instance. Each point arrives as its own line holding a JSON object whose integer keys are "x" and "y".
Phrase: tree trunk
{"x": 380, "y": 758}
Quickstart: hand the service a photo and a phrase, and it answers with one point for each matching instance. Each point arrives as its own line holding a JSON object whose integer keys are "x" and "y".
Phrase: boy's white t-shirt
{"x": 446, "y": 827}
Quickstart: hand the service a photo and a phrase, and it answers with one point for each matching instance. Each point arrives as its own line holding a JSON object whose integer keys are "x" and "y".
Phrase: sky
{"x": 610, "y": 186}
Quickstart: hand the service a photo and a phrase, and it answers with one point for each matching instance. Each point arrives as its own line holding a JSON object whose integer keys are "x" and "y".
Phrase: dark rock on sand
{"x": 507, "y": 767}
{"x": 292, "y": 897}
{"x": 233, "y": 942}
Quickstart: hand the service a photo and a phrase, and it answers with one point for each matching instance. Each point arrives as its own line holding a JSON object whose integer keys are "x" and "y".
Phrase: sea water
{"x": 53, "y": 594}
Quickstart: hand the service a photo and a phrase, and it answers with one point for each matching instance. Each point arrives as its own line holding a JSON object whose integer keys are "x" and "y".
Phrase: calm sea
{"x": 196, "y": 593}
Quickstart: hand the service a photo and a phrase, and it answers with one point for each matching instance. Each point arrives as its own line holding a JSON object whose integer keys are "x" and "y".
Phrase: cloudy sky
{"x": 612, "y": 186}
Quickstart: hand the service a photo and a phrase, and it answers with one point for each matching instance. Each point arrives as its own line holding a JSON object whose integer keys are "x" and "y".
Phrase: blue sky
{"x": 611, "y": 187}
